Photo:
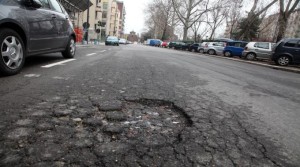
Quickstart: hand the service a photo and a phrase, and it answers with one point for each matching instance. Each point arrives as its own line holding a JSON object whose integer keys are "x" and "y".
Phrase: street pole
{"x": 88, "y": 18}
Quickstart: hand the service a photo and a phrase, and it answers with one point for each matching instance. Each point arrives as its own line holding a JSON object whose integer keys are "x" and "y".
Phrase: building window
{"x": 105, "y": 5}
{"x": 104, "y": 15}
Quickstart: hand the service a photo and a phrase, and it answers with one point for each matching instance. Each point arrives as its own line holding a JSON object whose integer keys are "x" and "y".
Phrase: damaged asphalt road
{"x": 142, "y": 106}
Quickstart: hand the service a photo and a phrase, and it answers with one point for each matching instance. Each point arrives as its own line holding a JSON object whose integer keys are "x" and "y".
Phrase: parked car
{"x": 202, "y": 47}
{"x": 187, "y": 45}
{"x": 194, "y": 47}
{"x": 164, "y": 44}
{"x": 123, "y": 41}
{"x": 112, "y": 40}
{"x": 286, "y": 51}
{"x": 155, "y": 42}
{"x": 234, "y": 48}
{"x": 257, "y": 50}
{"x": 172, "y": 45}
{"x": 28, "y": 28}
{"x": 180, "y": 46}
{"x": 214, "y": 48}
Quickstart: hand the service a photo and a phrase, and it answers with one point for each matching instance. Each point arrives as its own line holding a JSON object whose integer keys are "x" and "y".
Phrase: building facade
{"x": 105, "y": 19}
{"x": 269, "y": 27}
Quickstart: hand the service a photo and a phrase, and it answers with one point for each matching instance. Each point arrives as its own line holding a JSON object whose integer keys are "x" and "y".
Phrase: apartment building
{"x": 108, "y": 14}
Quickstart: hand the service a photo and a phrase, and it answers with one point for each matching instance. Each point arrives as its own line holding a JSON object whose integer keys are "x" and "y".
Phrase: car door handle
{"x": 53, "y": 16}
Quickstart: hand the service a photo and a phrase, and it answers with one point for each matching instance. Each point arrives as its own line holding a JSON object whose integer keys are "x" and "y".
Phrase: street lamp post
{"x": 88, "y": 18}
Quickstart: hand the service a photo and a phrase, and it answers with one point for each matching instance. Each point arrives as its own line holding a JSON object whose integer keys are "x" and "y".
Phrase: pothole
{"x": 150, "y": 122}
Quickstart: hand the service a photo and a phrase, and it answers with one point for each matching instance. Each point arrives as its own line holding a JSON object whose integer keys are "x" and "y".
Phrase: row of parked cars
{"x": 285, "y": 52}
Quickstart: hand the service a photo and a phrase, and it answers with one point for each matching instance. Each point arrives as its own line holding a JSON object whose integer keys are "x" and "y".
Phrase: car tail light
{"x": 206, "y": 45}
{"x": 246, "y": 48}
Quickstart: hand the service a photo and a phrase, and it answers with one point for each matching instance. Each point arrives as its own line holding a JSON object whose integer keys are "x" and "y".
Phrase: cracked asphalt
{"x": 142, "y": 106}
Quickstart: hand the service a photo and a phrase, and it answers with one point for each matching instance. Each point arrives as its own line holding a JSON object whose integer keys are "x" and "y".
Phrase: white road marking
{"x": 91, "y": 54}
{"x": 58, "y": 63}
{"x": 32, "y": 75}
{"x": 102, "y": 51}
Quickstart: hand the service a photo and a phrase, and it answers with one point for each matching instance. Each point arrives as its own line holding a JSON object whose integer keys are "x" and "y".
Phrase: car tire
{"x": 211, "y": 52}
{"x": 250, "y": 56}
{"x": 201, "y": 51}
{"x": 227, "y": 54}
{"x": 70, "y": 49}
{"x": 11, "y": 63}
{"x": 283, "y": 60}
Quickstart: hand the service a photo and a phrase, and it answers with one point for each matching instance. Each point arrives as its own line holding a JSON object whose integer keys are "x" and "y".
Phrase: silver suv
{"x": 258, "y": 50}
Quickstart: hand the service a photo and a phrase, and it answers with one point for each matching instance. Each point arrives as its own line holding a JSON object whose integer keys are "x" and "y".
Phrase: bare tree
{"x": 161, "y": 18}
{"x": 234, "y": 15}
{"x": 217, "y": 16}
{"x": 284, "y": 15}
{"x": 252, "y": 16}
{"x": 189, "y": 12}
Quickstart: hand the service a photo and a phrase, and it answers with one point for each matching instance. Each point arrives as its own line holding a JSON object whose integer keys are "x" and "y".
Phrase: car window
{"x": 112, "y": 38}
{"x": 262, "y": 45}
{"x": 45, "y": 4}
{"x": 291, "y": 43}
{"x": 55, "y": 6}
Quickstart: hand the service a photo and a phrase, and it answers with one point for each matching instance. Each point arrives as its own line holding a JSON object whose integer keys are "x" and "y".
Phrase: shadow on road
{"x": 41, "y": 60}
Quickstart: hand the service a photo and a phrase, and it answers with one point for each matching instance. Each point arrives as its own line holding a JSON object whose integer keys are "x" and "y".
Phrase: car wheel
{"x": 70, "y": 49}
{"x": 211, "y": 52}
{"x": 227, "y": 54}
{"x": 12, "y": 54}
{"x": 201, "y": 51}
{"x": 283, "y": 60}
{"x": 250, "y": 56}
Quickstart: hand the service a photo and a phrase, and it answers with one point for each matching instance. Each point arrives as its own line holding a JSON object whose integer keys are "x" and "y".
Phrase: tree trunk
{"x": 185, "y": 33}
{"x": 212, "y": 33}
{"x": 282, "y": 21}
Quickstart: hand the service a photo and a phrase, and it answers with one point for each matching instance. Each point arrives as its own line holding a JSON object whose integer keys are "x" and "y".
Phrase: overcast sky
{"x": 135, "y": 17}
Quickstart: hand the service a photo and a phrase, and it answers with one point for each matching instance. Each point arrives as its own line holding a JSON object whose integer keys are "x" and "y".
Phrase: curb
{"x": 289, "y": 69}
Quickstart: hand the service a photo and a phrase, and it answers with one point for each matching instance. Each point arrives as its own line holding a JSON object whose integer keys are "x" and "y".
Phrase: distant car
{"x": 164, "y": 44}
{"x": 234, "y": 48}
{"x": 123, "y": 41}
{"x": 180, "y": 46}
{"x": 257, "y": 50}
{"x": 202, "y": 47}
{"x": 187, "y": 45}
{"x": 214, "y": 48}
{"x": 172, "y": 45}
{"x": 112, "y": 40}
{"x": 194, "y": 47}
{"x": 155, "y": 42}
{"x": 286, "y": 51}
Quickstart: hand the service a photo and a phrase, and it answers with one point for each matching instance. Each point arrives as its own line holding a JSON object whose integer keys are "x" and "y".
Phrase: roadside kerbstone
{"x": 20, "y": 133}
{"x": 110, "y": 105}
{"x": 107, "y": 149}
{"x": 93, "y": 122}
{"x": 60, "y": 113}
{"x": 115, "y": 116}
{"x": 113, "y": 129}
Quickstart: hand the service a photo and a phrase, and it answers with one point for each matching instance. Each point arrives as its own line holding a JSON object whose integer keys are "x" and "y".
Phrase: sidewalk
{"x": 291, "y": 68}
{"x": 91, "y": 44}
